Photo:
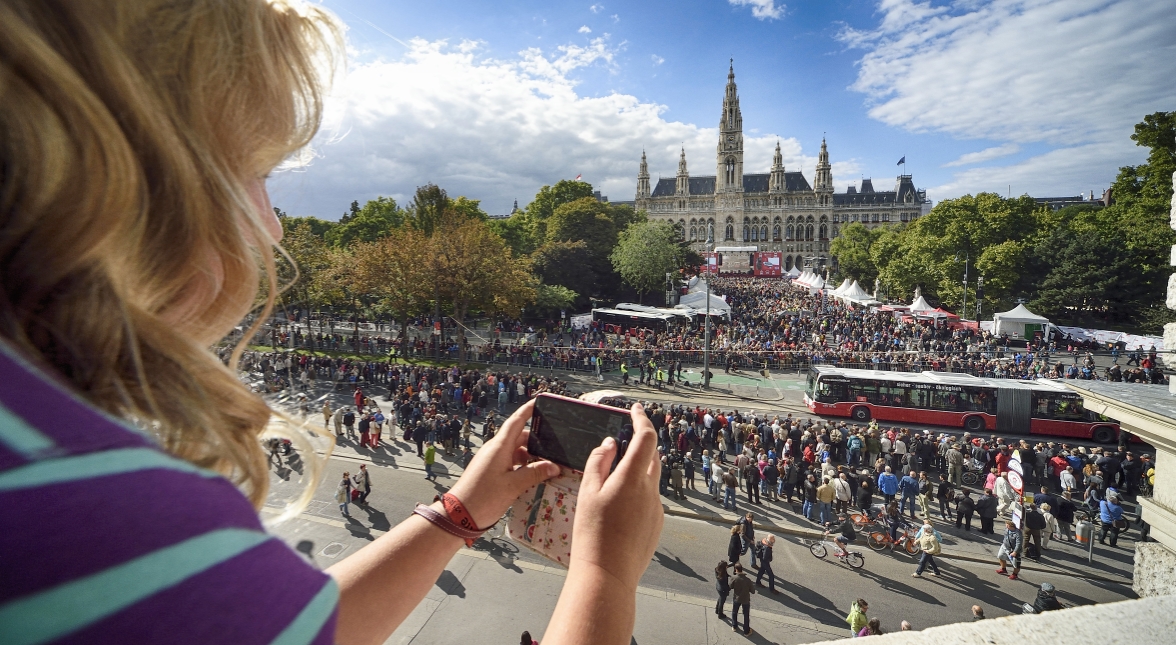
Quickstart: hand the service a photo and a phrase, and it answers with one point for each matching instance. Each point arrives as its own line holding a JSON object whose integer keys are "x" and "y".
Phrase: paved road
{"x": 813, "y": 591}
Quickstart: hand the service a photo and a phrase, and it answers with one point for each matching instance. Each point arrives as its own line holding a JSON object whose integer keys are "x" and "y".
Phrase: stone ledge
{"x": 1129, "y": 622}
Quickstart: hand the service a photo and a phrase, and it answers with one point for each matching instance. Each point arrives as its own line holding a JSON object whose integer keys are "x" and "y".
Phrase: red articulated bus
{"x": 1007, "y": 406}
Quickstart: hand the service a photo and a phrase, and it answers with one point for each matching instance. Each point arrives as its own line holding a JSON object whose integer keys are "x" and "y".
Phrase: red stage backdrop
{"x": 767, "y": 263}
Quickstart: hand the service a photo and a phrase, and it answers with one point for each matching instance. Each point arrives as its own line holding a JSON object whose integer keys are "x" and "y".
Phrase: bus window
{"x": 1058, "y": 406}
{"x": 830, "y": 392}
{"x": 978, "y": 399}
{"x": 865, "y": 391}
{"x": 894, "y": 395}
{"x": 812, "y": 381}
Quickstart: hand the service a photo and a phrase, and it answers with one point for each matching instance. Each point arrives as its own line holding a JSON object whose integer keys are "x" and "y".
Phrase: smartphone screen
{"x": 566, "y": 431}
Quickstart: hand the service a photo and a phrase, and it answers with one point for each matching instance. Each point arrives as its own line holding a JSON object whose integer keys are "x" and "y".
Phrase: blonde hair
{"x": 129, "y": 133}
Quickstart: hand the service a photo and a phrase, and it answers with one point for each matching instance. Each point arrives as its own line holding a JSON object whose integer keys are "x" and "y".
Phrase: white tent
{"x": 1019, "y": 323}
{"x": 697, "y": 301}
{"x": 840, "y": 290}
{"x": 920, "y": 306}
{"x": 794, "y": 272}
{"x": 856, "y": 294}
{"x": 816, "y": 283}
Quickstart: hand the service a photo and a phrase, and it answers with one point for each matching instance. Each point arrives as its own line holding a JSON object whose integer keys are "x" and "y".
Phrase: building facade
{"x": 774, "y": 211}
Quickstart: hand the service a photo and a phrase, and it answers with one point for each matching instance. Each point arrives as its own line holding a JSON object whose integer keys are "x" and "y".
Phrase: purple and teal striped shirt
{"x": 105, "y": 538}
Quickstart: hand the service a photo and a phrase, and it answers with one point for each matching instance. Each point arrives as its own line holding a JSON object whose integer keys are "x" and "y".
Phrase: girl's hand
{"x": 619, "y": 515}
{"x": 499, "y": 472}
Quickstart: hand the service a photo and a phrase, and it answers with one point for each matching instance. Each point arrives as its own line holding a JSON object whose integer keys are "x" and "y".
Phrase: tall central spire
{"x": 682, "y": 183}
{"x": 729, "y": 154}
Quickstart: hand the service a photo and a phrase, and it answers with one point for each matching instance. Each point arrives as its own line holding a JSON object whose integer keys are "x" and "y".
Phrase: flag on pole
{"x": 577, "y": 178}
{"x": 901, "y": 161}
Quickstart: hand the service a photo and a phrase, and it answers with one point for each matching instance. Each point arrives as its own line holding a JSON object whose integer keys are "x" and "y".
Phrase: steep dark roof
{"x": 702, "y": 185}
{"x": 755, "y": 183}
{"x": 664, "y": 188}
{"x": 903, "y": 186}
{"x": 667, "y": 186}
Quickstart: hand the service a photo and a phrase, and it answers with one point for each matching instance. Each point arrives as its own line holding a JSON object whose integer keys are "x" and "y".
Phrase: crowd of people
{"x": 774, "y": 326}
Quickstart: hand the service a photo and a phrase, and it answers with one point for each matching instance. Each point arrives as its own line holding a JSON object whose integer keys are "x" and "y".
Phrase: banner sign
{"x": 767, "y": 263}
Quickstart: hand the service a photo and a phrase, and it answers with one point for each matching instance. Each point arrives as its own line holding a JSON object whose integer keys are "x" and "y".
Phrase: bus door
{"x": 1013, "y": 410}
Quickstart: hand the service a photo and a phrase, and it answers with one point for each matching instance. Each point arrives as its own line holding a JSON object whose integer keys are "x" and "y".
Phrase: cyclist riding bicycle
{"x": 847, "y": 534}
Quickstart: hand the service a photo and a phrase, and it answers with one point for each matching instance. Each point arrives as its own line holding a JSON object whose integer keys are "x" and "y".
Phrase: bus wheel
{"x": 973, "y": 424}
{"x": 1104, "y": 434}
{"x": 861, "y": 413}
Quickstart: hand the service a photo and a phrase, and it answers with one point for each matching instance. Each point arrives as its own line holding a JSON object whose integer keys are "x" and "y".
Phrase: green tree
{"x": 550, "y": 198}
{"x": 517, "y": 233}
{"x": 645, "y": 253}
{"x": 567, "y": 264}
{"x": 1141, "y": 210}
{"x": 469, "y": 209}
{"x": 852, "y": 250}
{"x": 1088, "y": 276}
{"x": 550, "y": 298}
{"x": 376, "y": 219}
{"x": 318, "y": 227}
{"x": 429, "y": 205}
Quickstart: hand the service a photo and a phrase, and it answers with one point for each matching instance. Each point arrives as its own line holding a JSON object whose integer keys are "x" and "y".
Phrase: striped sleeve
{"x": 126, "y": 544}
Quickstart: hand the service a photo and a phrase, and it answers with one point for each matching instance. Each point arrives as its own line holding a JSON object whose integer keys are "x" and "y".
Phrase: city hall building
{"x": 777, "y": 211}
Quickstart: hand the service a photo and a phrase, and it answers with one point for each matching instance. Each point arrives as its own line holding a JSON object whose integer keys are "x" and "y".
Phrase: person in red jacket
{"x": 1002, "y": 460}
{"x": 1057, "y": 464}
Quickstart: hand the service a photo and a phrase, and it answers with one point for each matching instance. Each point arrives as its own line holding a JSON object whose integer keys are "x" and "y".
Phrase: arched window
{"x": 746, "y": 233}
{"x": 824, "y": 232}
{"x": 730, "y": 171}
{"x": 693, "y": 233}
{"x": 730, "y": 231}
{"x": 808, "y": 233}
{"x": 682, "y": 229}
{"x": 776, "y": 232}
{"x": 788, "y": 263}
{"x": 789, "y": 232}
{"x": 764, "y": 232}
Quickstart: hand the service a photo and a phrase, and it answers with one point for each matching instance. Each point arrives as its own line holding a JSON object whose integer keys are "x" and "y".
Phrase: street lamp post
{"x": 710, "y": 242}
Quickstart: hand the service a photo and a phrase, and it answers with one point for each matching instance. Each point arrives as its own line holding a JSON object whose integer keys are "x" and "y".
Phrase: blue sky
{"x": 494, "y": 100}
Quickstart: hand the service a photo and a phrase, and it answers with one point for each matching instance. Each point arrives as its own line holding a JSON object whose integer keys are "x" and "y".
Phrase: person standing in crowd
{"x": 825, "y": 497}
{"x": 327, "y": 413}
{"x": 343, "y": 494}
{"x": 741, "y": 587}
{"x": 363, "y": 483}
{"x": 944, "y": 494}
{"x": 929, "y": 540}
{"x": 865, "y": 498}
{"x": 986, "y": 509}
{"x": 766, "y": 547}
{"x": 1111, "y": 516}
{"x": 965, "y": 507}
{"x": 857, "y": 617}
{"x": 909, "y": 486}
{"x": 430, "y": 458}
{"x": 747, "y": 531}
{"x": 735, "y": 544}
{"x": 722, "y": 587}
{"x": 1011, "y": 548}
{"x": 888, "y": 485}
{"x": 730, "y": 485}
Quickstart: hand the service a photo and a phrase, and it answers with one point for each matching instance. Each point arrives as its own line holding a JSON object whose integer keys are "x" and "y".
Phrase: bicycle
{"x": 879, "y": 540}
{"x": 820, "y": 549}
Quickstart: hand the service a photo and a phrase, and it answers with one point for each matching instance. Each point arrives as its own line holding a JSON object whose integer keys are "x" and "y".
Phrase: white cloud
{"x": 1070, "y": 74}
{"x": 585, "y": 30}
{"x": 987, "y": 154}
{"x": 616, "y": 18}
{"x": 496, "y": 130}
{"x": 762, "y": 9}
{"x": 596, "y": 8}
{"x": 657, "y": 60}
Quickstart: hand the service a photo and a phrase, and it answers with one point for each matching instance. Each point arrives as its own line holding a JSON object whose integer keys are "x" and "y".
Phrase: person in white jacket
{"x": 1005, "y": 494}
{"x": 842, "y": 493}
{"x": 1051, "y": 526}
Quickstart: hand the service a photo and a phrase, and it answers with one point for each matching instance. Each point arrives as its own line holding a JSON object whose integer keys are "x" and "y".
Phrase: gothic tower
{"x": 643, "y": 178}
{"x": 729, "y": 155}
{"x": 823, "y": 182}
{"x": 682, "y": 185}
{"x": 776, "y": 183}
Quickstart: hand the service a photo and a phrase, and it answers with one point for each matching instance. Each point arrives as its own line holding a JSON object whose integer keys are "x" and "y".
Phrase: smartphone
{"x": 565, "y": 431}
